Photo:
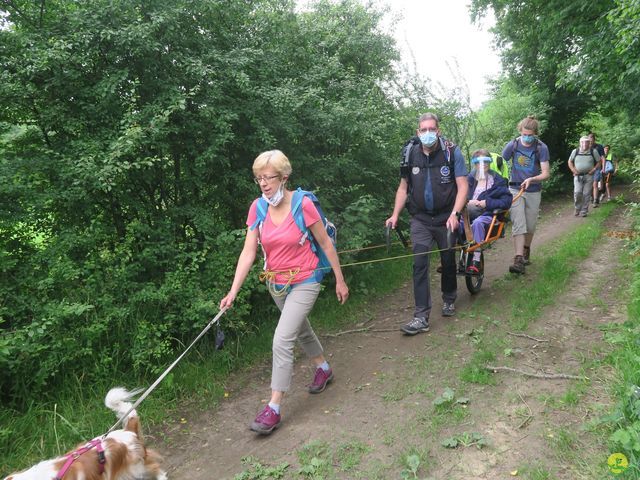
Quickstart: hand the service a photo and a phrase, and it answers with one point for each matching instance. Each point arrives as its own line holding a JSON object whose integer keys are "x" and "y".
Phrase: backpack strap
{"x": 261, "y": 214}
{"x": 298, "y": 216}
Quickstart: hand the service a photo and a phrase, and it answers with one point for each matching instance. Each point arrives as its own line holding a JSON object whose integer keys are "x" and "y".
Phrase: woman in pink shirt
{"x": 292, "y": 277}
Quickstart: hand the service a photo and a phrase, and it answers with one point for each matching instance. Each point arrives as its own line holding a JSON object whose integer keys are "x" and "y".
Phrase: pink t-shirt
{"x": 281, "y": 243}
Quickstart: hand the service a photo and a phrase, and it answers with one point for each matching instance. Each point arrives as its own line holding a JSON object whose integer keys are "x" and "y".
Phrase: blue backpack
{"x": 296, "y": 211}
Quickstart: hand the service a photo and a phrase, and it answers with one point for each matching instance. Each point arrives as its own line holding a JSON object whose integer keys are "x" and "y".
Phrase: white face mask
{"x": 277, "y": 197}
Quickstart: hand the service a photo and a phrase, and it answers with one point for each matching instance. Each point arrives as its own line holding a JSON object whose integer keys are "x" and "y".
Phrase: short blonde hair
{"x": 529, "y": 123}
{"x": 275, "y": 159}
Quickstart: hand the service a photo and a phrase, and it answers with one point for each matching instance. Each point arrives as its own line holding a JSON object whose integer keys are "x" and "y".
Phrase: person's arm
{"x": 599, "y": 163}
{"x": 399, "y": 203}
{"x": 545, "y": 170}
{"x": 320, "y": 235}
{"x": 571, "y": 164}
{"x": 245, "y": 262}
{"x": 461, "y": 200}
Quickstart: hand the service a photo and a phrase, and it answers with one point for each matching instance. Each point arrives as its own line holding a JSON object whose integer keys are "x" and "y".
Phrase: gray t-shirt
{"x": 584, "y": 161}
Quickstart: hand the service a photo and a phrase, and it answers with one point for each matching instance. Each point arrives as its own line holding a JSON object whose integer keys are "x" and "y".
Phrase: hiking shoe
{"x": 474, "y": 268}
{"x": 266, "y": 421}
{"x": 577, "y": 212}
{"x": 583, "y": 214}
{"x": 448, "y": 309}
{"x": 527, "y": 254}
{"x": 518, "y": 265}
{"x": 596, "y": 205}
{"x": 415, "y": 326}
{"x": 320, "y": 380}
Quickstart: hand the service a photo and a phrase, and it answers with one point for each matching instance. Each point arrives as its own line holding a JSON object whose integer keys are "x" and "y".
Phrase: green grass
{"x": 621, "y": 424}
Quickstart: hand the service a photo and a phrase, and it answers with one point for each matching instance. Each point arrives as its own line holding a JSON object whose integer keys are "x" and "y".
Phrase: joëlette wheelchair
{"x": 468, "y": 246}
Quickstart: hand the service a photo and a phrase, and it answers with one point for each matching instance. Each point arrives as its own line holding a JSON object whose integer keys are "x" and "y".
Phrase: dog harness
{"x": 73, "y": 456}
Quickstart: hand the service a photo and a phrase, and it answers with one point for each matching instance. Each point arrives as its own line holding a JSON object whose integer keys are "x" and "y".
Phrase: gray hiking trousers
{"x": 293, "y": 326}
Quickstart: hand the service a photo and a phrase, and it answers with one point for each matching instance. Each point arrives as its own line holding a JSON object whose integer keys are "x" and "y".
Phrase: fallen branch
{"x": 524, "y": 335}
{"x": 360, "y": 330}
{"x": 546, "y": 376}
{"x": 528, "y": 417}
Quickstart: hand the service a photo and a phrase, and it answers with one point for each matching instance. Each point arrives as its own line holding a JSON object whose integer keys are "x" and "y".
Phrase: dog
{"x": 121, "y": 455}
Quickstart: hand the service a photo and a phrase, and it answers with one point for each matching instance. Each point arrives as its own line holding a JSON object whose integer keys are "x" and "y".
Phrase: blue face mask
{"x": 429, "y": 138}
{"x": 528, "y": 139}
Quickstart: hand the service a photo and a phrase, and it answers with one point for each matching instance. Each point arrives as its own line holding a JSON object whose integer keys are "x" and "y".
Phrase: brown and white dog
{"x": 125, "y": 453}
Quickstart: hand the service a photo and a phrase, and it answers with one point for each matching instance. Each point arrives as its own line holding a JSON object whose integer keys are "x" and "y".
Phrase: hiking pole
{"x": 166, "y": 372}
{"x": 387, "y": 236}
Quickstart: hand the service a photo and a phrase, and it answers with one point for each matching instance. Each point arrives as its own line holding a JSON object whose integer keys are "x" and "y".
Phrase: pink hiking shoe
{"x": 320, "y": 380}
{"x": 266, "y": 421}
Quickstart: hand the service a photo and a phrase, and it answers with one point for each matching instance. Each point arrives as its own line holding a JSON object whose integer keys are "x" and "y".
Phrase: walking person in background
{"x": 598, "y": 184}
{"x": 292, "y": 277}
{"x": 610, "y": 169}
{"x": 433, "y": 186}
{"x": 529, "y": 160}
{"x": 583, "y": 163}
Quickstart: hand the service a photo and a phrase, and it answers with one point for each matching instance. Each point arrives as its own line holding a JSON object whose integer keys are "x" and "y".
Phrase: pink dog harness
{"x": 73, "y": 456}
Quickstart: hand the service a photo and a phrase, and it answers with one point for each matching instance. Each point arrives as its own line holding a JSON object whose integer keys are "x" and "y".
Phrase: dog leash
{"x": 166, "y": 372}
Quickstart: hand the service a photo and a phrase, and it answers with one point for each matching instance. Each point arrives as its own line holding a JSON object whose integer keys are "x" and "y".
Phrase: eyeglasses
{"x": 266, "y": 179}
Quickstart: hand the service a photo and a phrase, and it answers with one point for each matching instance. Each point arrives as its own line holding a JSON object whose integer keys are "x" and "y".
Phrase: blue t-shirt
{"x": 525, "y": 162}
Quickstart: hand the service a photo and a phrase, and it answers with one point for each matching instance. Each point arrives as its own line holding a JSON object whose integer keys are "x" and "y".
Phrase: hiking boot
{"x": 320, "y": 380}
{"x": 266, "y": 421}
{"x": 527, "y": 254}
{"x": 518, "y": 265}
{"x": 448, "y": 309}
{"x": 415, "y": 326}
{"x": 474, "y": 268}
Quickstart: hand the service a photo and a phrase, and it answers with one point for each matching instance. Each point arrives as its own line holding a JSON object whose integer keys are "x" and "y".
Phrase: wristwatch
{"x": 457, "y": 214}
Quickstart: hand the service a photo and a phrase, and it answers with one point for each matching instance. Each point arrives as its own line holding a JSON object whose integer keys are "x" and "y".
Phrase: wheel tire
{"x": 474, "y": 282}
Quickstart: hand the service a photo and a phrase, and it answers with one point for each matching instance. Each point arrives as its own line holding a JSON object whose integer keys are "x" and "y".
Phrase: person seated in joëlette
{"x": 488, "y": 191}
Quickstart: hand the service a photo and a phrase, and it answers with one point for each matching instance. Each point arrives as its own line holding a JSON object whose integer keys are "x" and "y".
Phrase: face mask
{"x": 277, "y": 197}
{"x": 528, "y": 139}
{"x": 429, "y": 138}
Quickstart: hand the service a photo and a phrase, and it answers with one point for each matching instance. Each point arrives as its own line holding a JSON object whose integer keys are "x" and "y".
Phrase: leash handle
{"x": 166, "y": 372}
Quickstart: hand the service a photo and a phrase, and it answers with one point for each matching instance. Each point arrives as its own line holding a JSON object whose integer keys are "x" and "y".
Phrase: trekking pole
{"x": 166, "y": 372}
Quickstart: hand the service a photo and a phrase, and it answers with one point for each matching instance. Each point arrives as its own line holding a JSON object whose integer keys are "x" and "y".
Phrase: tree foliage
{"x": 559, "y": 49}
{"x": 127, "y": 134}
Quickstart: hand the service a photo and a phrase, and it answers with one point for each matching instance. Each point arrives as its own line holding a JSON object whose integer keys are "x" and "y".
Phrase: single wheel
{"x": 474, "y": 281}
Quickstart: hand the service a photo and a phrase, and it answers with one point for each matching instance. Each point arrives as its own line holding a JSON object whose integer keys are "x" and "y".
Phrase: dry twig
{"x": 546, "y": 376}
{"x": 360, "y": 330}
{"x": 524, "y": 335}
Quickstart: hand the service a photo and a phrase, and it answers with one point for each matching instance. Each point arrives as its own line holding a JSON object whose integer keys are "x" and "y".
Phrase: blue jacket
{"x": 498, "y": 197}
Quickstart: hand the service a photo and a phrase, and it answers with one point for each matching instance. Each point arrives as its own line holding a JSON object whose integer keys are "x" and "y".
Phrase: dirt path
{"x": 380, "y": 409}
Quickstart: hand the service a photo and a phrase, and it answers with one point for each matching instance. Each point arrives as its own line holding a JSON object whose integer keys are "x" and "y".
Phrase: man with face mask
{"x": 433, "y": 187}
{"x": 583, "y": 162}
{"x": 529, "y": 167}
